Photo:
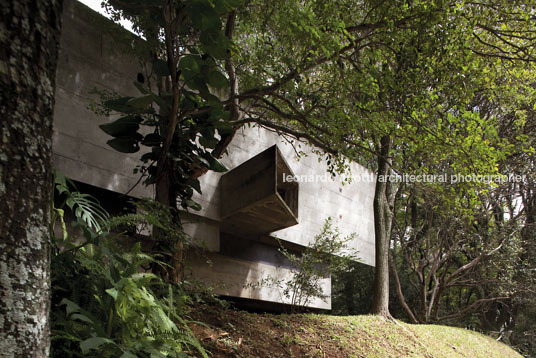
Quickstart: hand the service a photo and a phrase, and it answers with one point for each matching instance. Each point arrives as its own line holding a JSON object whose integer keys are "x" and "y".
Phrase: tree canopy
{"x": 402, "y": 87}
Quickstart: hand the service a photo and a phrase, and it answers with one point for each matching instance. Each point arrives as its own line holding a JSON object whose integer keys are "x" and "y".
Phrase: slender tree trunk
{"x": 166, "y": 196}
{"x": 382, "y": 230}
{"x": 29, "y": 34}
{"x": 399, "y": 293}
{"x": 164, "y": 183}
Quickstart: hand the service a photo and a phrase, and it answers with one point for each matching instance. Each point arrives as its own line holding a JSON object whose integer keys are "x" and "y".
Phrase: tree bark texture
{"x": 29, "y": 35}
{"x": 382, "y": 232}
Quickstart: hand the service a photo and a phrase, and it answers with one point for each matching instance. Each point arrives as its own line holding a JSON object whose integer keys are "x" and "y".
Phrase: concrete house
{"x": 243, "y": 210}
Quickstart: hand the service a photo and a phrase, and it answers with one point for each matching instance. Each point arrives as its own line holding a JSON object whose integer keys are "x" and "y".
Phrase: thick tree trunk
{"x": 29, "y": 34}
{"x": 382, "y": 230}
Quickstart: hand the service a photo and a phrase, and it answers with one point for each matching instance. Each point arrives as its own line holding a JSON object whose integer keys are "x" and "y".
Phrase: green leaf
{"x": 199, "y": 84}
{"x": 193, "y": 205}
{"x": 189, "y": 67}
{"x": 124, "y": 144}
{"x": 115, "y": 275}
{"x": 140, "y": 102}
{"x": 204, "y": 161}
{"x": 141, "y": 88}
{"x": 204, "y": 16}
{"x": 122, "y": 127}
{"x": 118, "y": 104}
{"x": 194, "y": 183}
{"x": 212, "y": 100}
{"x": 60, "y": 179}
{"x": 160, "y": 67}
{"x": 151, "y": 219}
{"x": 216, "y": 79}
{"x": 208, "y": 133}
{"x": 215, "y": 44}
{"x": 70, "y": 306}
{"x": 149, "y": 156}
{"x": 81, "y": 317}
{"x": 113, "y": 292}
{"x": 152, "y": 140}
{"x": 216, "y": 165}
{"x": 224, "y": 127}
{"x": 208, "y": 143}
{"x": 94, "y": 343}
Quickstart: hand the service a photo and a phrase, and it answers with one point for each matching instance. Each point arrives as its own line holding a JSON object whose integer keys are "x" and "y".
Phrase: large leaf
{"x": 194, "y": 183}
{"x": 215, "y": 165}
{"x": 197, "y": 83}
{"x": 215, "y": 44}
{"x": 141, "y": 88}
{"x": 190, "y": 67}
{"x": 208, "y": 142}
{"x": 204, "y": 17}
{"x": 152, "y": 140}
{"x": 212, "y": 100}
{"x": 140, "y": 102}
{"x": 113, "y": 292}
{"x": 224, "y": 127}
{"x": 119, "y": 104}
{"x": 124, "y": 144}
{"x": 82, "y": 318}
{"x": 160, "y": 67}
{"x": 216, "y": 79}
{"x": 149, "y": 156}
{"x": 94, "y": 343}
{"x": 193, "y": 205}
{"x": 124, "y": 126}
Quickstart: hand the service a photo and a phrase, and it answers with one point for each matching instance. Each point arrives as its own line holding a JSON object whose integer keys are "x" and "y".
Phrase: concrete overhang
{"x": 255, "y": 197}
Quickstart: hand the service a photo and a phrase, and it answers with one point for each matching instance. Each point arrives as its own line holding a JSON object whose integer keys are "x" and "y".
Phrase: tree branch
{"x": 471, "y": 307}
{"x": 399, "y": 293}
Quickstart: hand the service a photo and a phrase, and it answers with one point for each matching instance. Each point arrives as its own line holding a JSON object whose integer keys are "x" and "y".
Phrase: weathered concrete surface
{"x": 88, "y": 58}
{"x": 350, "y": 205}
{"x": 229, "y": 276}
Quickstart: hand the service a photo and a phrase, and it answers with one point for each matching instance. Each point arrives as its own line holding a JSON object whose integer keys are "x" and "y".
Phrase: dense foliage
{"x": 104, "y": 301}
{"x": 420, "y": 87}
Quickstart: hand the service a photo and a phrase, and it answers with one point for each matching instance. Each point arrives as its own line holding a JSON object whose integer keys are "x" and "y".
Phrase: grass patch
{"x": 308, "y": 335}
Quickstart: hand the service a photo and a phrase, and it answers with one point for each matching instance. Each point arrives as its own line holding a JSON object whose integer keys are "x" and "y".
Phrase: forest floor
{"x": 233, "y": 333}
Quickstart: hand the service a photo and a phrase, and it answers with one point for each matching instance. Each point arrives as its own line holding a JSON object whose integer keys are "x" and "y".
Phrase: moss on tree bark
{"x": 29, "y": 34}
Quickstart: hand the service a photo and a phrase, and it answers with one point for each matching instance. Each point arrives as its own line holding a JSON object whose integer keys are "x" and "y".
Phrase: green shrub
{"x": 326, "y": 254}
{"x": 104, "y": 303}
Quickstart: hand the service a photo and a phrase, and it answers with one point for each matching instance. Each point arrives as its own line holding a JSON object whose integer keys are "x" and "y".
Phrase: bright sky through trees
{"x": 96, "y": 5}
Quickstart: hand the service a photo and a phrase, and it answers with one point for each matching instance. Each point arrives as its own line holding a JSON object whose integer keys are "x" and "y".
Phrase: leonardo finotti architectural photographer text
{"x": 409, "y": 178}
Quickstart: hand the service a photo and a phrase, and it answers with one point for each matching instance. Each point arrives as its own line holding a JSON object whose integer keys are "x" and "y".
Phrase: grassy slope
{"x": 227, "y": 333}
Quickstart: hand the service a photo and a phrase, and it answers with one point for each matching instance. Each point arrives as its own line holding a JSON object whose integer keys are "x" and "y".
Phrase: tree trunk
{"x": 29, "y": 34}
{"x": 166, "y": 196}
{"x": 382, "y": 230}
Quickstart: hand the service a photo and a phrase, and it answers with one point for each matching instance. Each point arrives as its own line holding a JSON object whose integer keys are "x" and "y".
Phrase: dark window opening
{"x": 115, "y": 204}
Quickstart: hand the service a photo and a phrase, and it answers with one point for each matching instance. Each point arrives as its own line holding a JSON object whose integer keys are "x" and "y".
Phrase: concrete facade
{"x": 89, "y": 58}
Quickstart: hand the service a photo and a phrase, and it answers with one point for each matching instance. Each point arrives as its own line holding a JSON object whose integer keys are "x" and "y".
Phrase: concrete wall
{"x": 90, "y": 57}
{"x": 349, "y": 205}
